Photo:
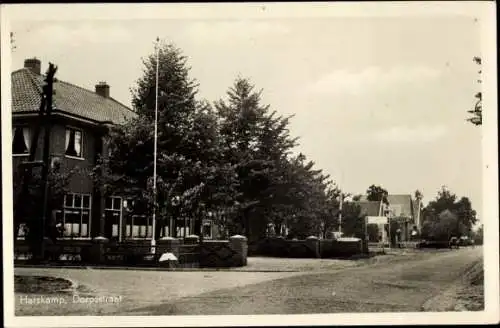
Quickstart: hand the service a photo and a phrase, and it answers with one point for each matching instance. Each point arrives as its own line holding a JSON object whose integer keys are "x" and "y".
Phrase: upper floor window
{"x": 74, "y": 142}
{"x": 21, "y": 140}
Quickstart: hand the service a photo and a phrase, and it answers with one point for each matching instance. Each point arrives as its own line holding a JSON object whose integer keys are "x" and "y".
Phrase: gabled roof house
{"x": 402, "y": 208}
{"x": 79, "y": 124}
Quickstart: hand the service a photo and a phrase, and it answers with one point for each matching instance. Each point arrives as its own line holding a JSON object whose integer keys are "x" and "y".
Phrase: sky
{"x": 377, "y": 100}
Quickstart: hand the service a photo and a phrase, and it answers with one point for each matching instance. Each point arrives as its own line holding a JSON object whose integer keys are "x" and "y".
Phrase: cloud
{"x": 372, "y": 79}
{"x": 230, "y": 31}
{"x": 410, "y": 135}
{"x": 81, "y": 34}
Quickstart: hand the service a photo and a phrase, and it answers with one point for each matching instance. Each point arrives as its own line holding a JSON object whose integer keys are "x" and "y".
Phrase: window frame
{"x": 114, "y": 210}
{"x": 149, "y": 227}
{"x": 20, "y": 126}
{"x": 74, "y": 129}
{"x": 81, "y": 209}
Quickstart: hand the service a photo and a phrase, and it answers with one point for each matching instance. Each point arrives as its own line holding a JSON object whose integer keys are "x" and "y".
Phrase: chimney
{"x": 34, "y": 64}
{"x": 102, "y": 89}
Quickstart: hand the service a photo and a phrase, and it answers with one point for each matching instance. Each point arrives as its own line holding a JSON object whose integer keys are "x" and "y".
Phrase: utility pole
{"x": 340, "y": 212}
{"x": 48, "y": 90}
{"x": 27, "y": 174}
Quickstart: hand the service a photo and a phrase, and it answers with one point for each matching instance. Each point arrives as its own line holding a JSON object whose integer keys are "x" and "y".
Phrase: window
{"x": 76, "y": 215}
{"x": 21, "y": 140}
{"x": 206, "y": 229}
{"x": 74, "y": 142}
{"x": 138, "y": 226}
{"x": 113, "y": 211}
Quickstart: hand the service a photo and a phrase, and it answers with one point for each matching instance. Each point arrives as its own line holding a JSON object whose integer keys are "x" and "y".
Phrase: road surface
{"x": 403, "y": 284}
{"x": 384, "y": 284}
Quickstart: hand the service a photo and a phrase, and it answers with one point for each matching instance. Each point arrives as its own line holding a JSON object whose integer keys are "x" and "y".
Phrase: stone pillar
{"x": 239, "y": 244}
{"x": 98, "y": 250}
{"x": 313, "y": 243}
{"x": 168, "y": 245}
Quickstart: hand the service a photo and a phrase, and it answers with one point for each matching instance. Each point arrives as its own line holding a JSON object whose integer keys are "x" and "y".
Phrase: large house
{"x": 79, "y": 123}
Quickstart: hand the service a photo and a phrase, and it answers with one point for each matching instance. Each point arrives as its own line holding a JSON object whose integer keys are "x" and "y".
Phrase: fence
{"x": 62, "y": 251}
{"x": 190, "y": 252}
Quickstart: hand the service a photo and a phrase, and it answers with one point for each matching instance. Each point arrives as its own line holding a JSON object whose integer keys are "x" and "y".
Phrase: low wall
{"x": 222, "y": 253}
{"x": 280, "y": 247}
{"x": 311, "y": 247}
{"x": 190, "y": 252}
{"x": 331, "y": 248}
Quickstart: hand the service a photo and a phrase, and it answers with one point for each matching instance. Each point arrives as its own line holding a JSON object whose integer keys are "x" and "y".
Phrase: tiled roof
{"x": 403, "y": 202}
{"x": 369, "y": 208}
{"x": 69, "y": 98}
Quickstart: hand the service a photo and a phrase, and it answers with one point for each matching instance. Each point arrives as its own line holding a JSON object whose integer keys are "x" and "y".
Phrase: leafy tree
{"x": 418, "y": 195}
{"x": 443, "y": 227}
{"x": 466, "y": 215}
{"x": 352, "y": 221}
{"x": 257, "y": 143}
{"x": 377, "y": 193}
{"x": 477, "y": 112}
{"x": 28, "y": 210}
{"x": 357, "y": 198}
{"x": 477, "y": 235}
{"x": 190, "y": 170}
{"x": 446, "y": 202}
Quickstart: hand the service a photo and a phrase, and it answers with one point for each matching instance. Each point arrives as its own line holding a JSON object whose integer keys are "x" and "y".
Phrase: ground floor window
{"x": 139, "y": 226}
{"x": 113, "y": 216}
{"x": 76, "y": 215}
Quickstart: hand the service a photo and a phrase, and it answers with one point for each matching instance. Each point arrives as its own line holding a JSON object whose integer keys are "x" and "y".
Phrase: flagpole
{"x": 153, "y": 237}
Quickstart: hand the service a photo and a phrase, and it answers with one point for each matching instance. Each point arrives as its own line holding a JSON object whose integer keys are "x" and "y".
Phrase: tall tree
{"x": 464, "y": 217}
{"x": 443, "y": 227}
{"x": 477, "y": 111}
{"x": 377, "y": 193}
{"x": 352, "y": 221}
{"x": 257, "y": 142}
{"x": 189, "y": 167}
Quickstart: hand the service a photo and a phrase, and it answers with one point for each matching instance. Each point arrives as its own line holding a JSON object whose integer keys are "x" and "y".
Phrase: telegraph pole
{"x": 340, "y": 212}
{"x": 48, "y": 90}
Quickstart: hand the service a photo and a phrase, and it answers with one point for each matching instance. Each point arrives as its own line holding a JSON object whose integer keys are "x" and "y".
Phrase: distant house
{"x": 402, "y": 209}
{"x": 406, "y": 211}
{"x": 372, "y": 209}
{"x": 80, "y": 122}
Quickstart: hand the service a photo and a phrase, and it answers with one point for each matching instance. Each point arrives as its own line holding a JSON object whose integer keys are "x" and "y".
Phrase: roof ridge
{"x": 120, "y": 103}
{"x": 70, "y": 98}
{"x": 94, "y": 93}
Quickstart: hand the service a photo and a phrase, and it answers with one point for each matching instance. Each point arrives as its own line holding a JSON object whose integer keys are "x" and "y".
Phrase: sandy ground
{"x": 466, "y": 294}
{"x": 395, "y": 284}
{"x": 313, "y": 281}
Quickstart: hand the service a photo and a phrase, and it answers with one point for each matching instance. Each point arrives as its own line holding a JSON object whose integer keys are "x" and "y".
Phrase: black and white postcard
{"x": 228, "y": 164}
